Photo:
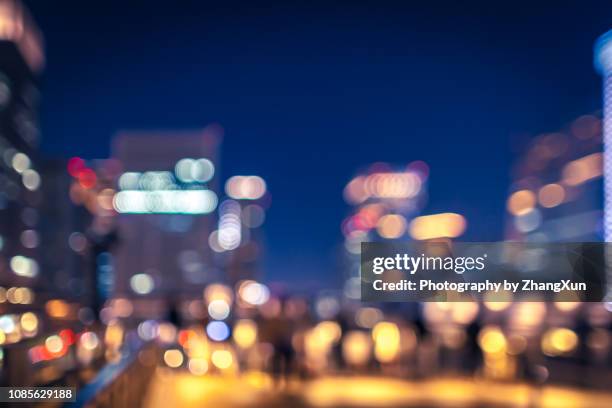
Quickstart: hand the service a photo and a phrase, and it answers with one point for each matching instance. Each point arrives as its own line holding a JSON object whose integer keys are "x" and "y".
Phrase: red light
{"x": 67, "y": 336}
{"x": 75, "y": 165}
{"x": 45, "y": 354}
{"x": 36, "y": 354}
{"x": 183, "y": 337}
{"x": 87, "y": 178}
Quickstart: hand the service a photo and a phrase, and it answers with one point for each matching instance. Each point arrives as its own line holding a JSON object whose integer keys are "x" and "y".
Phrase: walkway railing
{"x": 120, "y": 384}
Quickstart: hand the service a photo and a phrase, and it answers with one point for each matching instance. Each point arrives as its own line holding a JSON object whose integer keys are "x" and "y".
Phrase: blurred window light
{"x": 24, "y": 266}
{"x": 183, "y": 170}
{"x": 391, "y": 226}
{"x": 203, "y": 170}
{"x": 443, "y": 225}
{"x": 218, "y": 309}
{"x": 357, "y": 348}
{"x": 213, "y": 242}
{"x": 57, "y": 308}
{"x": 584, "y": 169}
{"x": 254, "y": 293}
{"x": 245, "y": 187}
{"x": 20, "y": 162}
{"x": 147, "y": 330}
{"x": 551, "y": 195}
{"x": 559, "y": 341}
{"x": 142, "y": 283}
{"x": 29, "y": 322}
{"x": 29, "y": 239}
{"x": 521, "y": 202}
{"x": 218, "y": 291}
{"x": 222, "y": 359}
{"x": 156, "y": 180}
{"x": 191, "y": 170}
{"x": 229, "y": 234}
{"x": 89, "y": 340}
{"x": 328, "y": 332}
{"x": 492, "y": 340}
{"x": 54, "y": 344}
{"x": 197, "y": 366}
{"x": 30, "y": 179}
{"x": 245, "y": 333}
{"x": 217, "y": 330}
{"x": 386, "y": 336}
{"x": 129, "y": 181}
{"x": 384, "y": 186}
{"x": 173, "y": 358}
{"x": 16, "y": 295}
{"x": 165, "y": 202}
{"x": 327, "y": 307}
{"x": 367, "y": 317}
{"x": 7, "y": 324}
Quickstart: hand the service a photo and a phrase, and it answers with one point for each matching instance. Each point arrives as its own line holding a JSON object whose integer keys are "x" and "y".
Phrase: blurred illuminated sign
{"x": 160, "y": 192}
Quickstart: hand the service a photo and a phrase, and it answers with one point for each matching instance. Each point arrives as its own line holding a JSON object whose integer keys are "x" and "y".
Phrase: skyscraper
{"x": 603, "y": 64}
{"x": 21, "y": 61}
{"x": 166, "y": 200}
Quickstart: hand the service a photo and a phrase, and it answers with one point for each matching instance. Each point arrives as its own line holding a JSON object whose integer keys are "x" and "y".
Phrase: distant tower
{"x": 603, "y": 64}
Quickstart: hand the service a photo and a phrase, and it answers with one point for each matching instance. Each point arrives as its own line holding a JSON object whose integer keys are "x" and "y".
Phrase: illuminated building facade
{"x": 387, "y": 204}
{"x": 556, "y": 192}
{"x": 603, "y": 64}
{"x": 384, "y": 200}
{"x": 21, "y": 61}
{"x": 166, "y": 198}
{"x": 79, "y": 228}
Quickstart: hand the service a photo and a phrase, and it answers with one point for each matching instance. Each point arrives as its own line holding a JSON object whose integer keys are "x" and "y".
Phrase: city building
{"x": 556, "y": 191}
{"x": 166, "y": 200}
{"x": 21, "y": 63}
{"x": 78, "y": 226}
{"x": 384, "y": 199}
{"x": 603, "y": 64}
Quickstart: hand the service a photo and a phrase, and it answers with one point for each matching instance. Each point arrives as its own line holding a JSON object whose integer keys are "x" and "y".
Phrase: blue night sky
{"x": 310, "y": 92}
